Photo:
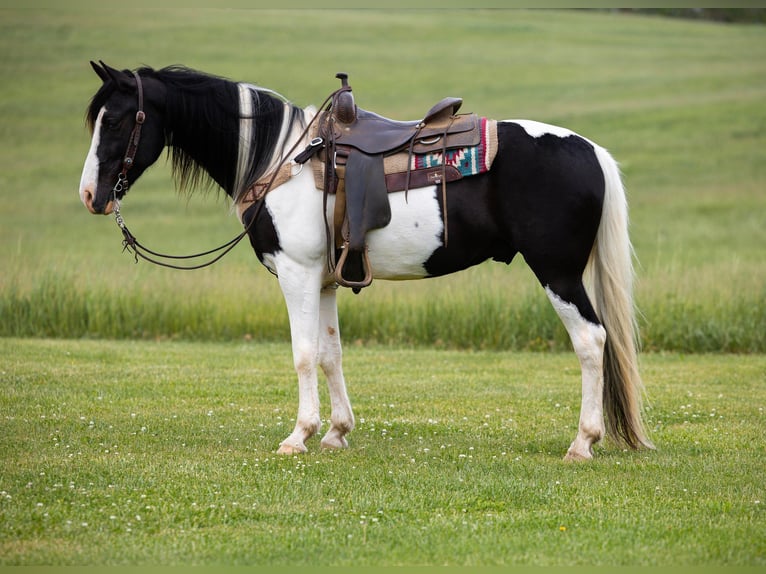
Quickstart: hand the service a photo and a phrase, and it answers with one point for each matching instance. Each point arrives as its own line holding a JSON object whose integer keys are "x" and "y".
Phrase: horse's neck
{"x": 255, "y": 163}
{"x": 287, "y": 144}
{"x": 291, "y": 134}
{"x": 198, "y": 149}
{"x": 235, "y": 149}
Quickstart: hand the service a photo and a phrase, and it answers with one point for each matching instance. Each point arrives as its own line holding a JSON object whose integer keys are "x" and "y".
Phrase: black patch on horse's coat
{"x": 542, "y": 198}
{"x": 262, "y": 233}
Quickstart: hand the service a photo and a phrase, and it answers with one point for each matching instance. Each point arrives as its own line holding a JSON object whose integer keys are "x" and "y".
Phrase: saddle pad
{"x": 466, "y": 161}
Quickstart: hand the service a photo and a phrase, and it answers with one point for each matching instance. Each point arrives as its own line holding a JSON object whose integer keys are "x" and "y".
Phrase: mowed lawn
{"x": 163, "y": 453}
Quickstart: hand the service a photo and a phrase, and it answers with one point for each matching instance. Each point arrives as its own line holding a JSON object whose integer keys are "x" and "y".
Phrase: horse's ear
{"x": 99, "y": 71}
{"x": 106, "y": 73}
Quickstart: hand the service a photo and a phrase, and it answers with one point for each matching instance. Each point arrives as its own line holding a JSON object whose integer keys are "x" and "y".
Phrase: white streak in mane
{"x": 245, "y": 151}
{"x": 276, "y": 156}
{"x": 244, "y": 154}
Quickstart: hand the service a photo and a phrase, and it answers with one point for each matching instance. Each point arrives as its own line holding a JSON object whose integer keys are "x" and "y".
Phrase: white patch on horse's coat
{"x": 399, "y": 250}
{"x": 89, "y": 177}
{"x": 588, "y": 340}
{"x": 295, "y": 208}
{"x": 537, "y": 129}
{"x": 582, "y": 332}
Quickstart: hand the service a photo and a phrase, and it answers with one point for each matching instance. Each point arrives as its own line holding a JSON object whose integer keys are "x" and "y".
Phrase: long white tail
{"x": 611, "y": 268}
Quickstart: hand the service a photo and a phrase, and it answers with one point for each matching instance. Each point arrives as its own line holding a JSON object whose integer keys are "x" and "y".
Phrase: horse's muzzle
{"x": 87, "y": 199}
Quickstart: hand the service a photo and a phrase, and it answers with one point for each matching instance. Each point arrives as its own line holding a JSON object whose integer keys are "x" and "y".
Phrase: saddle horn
{"x": 345, "y": 108}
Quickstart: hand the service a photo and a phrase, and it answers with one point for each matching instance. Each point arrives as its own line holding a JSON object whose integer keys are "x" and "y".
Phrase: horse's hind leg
{"x": 330, "y": 359}
{"x": 588, "y": 337}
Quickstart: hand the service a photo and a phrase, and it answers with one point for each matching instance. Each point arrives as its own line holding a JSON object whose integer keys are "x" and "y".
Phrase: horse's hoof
{"x": 292, "y": 448}
{"x": 334, "y": 442}
{"x": 575, "y": 456}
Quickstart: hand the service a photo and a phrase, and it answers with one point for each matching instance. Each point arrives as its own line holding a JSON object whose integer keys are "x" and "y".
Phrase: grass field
{"x": 144, "y": 453}
{"x": 140, "y": 407}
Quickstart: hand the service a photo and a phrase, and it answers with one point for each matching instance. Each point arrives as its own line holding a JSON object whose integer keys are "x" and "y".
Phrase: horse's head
{"x": 113, "y": 116}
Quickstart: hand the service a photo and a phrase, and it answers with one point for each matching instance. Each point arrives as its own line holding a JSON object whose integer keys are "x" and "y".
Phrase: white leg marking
{"x": 588, "y": 341}
{"x": 330, "y": 359}
{"x": 301, "y": 287}
{"x": 89, "y": 177}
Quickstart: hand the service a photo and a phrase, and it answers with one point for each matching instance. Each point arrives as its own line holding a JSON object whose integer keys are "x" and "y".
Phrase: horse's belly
{"x": 399, "y": 250}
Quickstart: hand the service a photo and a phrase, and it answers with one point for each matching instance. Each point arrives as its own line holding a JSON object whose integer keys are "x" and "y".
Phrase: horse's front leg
{"x": 301, "y": 288}
{"x": 330, "y": 359}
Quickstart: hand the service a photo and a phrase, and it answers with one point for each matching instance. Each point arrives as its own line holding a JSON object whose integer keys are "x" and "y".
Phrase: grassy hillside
{"x": 679, "y": 103}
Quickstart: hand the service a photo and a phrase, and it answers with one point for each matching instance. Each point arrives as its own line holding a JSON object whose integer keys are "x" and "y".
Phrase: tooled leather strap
{"x": 135, "y": 136}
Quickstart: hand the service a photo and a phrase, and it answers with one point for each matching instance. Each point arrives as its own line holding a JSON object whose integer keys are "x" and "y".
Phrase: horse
{"x": 551, "y": 195}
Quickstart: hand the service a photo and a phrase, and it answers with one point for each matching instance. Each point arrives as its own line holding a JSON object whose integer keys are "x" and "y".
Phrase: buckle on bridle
{"x": 121, "y": 185}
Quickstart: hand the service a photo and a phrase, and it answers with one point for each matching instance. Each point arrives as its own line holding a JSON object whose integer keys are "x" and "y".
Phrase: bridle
{"x": 135, "y": 136}
{"x": 131, "y": 244}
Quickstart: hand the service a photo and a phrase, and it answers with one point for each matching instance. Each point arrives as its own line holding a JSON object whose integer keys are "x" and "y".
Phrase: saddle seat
{"x": 375, "y": 134}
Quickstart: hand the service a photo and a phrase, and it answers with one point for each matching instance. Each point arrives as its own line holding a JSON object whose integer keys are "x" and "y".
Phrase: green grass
{"x": 679, "y": 103}
{"x": 131, "y": 453}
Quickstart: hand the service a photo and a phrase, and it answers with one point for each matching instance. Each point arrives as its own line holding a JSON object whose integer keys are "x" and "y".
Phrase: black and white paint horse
{"x": 552, "y": 196}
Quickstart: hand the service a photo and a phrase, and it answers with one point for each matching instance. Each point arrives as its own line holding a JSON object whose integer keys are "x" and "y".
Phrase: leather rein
{"x": 131, "y": 243}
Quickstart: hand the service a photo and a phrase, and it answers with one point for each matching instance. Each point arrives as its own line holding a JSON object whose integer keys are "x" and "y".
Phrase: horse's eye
{"x": 111, "y": 124}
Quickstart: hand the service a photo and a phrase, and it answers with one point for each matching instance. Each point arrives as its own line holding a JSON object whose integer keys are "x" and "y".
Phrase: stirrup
{"x": 355, "y": 285}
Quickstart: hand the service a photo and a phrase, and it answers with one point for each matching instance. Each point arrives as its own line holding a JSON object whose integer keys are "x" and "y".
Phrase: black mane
{"x": 202, "y": 127}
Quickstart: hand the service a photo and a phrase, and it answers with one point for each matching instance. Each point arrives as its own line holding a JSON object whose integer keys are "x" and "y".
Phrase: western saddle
{"x": 351, "y": 145}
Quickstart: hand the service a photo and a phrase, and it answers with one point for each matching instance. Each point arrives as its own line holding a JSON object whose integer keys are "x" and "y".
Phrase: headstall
{"x": 135, "y": 136}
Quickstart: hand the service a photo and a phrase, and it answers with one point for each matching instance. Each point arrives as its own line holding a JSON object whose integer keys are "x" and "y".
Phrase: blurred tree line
{"x": 727, "y": 15}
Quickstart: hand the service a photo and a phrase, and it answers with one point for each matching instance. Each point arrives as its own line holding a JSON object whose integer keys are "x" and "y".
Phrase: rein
{"x": 131, "y": 244}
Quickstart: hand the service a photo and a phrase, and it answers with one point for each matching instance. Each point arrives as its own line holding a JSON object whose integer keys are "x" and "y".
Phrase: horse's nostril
{"x": 87, "y": 199}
